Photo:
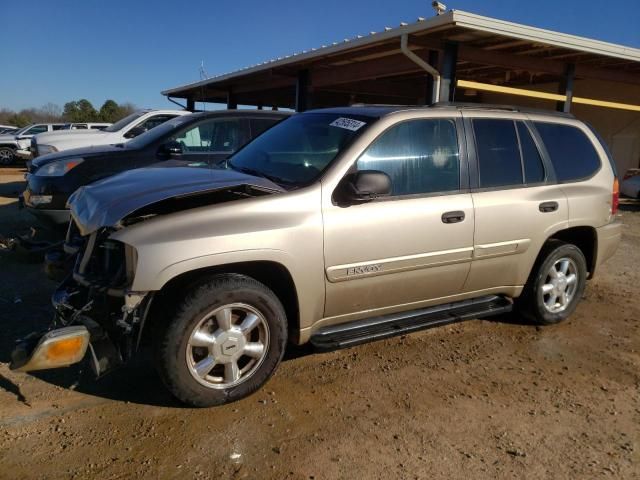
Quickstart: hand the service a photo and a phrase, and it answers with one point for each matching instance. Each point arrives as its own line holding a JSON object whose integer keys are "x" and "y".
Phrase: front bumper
{"x": 50, "y": 216}
{"x": 24, "y": 154}
{"x": 54, "y": 210}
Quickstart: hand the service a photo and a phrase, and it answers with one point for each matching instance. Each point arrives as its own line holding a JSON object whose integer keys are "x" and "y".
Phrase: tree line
{"x": 76, "y": 111}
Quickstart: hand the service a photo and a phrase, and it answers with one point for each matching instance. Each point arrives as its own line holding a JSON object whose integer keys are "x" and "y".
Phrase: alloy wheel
{"x": 227, "y": 346}
{"x": 560, "y": 285}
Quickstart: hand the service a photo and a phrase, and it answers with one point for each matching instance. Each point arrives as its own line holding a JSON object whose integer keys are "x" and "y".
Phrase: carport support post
{"x": 302, "y": 91}
{"x": 448, "y": 72}
{"x": 232, "y": 103}
{"x": 191, "y": 104}
{"x": 566, "y": 88}
{"x": 433, "y": 61}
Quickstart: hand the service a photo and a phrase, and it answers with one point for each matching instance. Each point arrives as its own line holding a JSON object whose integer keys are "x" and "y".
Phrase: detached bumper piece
{"x": 57, "y": 348}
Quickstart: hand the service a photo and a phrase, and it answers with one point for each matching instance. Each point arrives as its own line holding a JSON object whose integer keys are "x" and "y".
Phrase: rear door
{"x": 517, "y": 201}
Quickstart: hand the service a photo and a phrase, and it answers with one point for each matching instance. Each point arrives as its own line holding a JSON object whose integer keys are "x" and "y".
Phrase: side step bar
{"x": 378, "y": 328}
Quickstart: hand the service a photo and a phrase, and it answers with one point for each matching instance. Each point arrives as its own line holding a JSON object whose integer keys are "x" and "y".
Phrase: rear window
{"x": 572, "y": 154}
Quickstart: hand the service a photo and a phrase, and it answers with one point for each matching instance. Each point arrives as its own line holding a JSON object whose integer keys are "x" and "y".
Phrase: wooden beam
{"x": 535, "y": 64}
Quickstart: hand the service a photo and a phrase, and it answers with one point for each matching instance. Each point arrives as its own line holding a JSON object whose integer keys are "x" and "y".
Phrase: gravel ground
{"x": 480, "y": 399}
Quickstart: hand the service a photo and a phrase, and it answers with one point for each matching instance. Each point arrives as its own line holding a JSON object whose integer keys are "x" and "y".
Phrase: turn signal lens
{"x": 64, "y": 350}
{"x": 615, "y": 200}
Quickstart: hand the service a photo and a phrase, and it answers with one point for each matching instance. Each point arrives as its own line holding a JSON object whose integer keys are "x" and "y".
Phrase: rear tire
{"x": 556, "y": 284}
{"x": 7, "y": 155}
{"x": 223, "y": 343}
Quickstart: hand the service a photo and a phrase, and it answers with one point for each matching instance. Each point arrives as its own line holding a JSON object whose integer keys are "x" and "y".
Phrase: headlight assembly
{"x": 45, "y": 149}
{"x": 58, "y": 168}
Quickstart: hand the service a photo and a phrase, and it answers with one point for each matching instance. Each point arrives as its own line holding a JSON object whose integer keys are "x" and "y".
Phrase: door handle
{"x": 453, "y": 217}
{"x": 546, "y": 207}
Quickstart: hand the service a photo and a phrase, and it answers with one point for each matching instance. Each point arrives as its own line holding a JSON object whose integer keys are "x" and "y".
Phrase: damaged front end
{"x": 94, "y": 308}
{"x": 96, "y": 294}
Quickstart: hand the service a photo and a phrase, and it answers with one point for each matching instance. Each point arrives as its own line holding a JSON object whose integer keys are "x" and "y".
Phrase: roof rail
{"x": 489, "y": 106}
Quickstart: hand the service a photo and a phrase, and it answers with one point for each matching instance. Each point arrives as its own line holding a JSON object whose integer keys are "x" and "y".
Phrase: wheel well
{"x": 585, "y": 238}
{"x": 272, "y": 274}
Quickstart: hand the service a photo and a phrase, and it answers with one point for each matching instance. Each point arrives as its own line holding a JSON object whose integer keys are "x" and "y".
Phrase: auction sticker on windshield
{"x": 348, "y": 123}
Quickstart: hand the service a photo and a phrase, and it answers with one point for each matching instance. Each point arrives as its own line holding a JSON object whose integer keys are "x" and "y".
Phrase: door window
{"x": 498, "y": 153}
{"x": 210, "y": 136}
{"x": 420, "y": 157}
{"x": 259, "y": 125}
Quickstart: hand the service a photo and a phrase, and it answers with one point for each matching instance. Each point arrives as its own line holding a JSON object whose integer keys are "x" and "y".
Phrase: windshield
{"x": 297, "y": 150}
{"x": 23, "y": 129}
{"x": 155, "y": 133}
{"x": 120, "y": 124}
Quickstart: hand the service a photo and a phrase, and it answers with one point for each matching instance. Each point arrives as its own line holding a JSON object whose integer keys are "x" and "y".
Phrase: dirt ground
{"x": 480, "y": 399}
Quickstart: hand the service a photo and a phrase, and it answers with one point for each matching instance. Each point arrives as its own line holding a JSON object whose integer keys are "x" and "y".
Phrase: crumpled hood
{"x": 105, "y": 203}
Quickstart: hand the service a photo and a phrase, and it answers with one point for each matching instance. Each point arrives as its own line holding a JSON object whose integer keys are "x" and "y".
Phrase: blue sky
{"x": 56, "y": 51}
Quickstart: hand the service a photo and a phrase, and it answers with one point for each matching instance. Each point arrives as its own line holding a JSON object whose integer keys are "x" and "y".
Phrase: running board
{"x": 378, "y": 328}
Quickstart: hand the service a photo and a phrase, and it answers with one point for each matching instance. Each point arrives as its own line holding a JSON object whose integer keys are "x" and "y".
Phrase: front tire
{"x": 7, "y": 155}
{"x": 556, "y": 284}
{"x": 224, "y": 342}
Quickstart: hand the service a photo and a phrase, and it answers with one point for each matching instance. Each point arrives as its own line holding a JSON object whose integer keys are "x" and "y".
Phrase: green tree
{"x": 70, "y": 111}
{"x": 80, "y": 111}
{"x": 86, "y": 111}
{"x": 109, "y": 111}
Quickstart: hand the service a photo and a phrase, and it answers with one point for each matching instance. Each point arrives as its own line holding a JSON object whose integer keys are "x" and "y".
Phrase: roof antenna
{"x": 439, "y": 7}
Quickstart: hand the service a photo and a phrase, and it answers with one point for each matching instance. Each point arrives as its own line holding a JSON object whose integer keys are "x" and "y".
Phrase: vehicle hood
{"x": 87, "y": 137}
{"x": 7, "y": 137}
{"x": 82, "y": 152}
{"x": 106, "y": 202}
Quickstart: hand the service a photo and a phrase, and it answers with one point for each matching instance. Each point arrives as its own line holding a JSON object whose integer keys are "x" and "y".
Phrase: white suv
{"x": 121, "y": 131}
{"x": 10, "y": 143}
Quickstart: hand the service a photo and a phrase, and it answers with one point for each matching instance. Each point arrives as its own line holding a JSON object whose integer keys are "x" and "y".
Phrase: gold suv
{"x": 334, "y": 227}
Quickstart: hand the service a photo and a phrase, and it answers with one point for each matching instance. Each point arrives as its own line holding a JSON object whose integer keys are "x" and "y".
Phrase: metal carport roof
{"x": 372, "y": 68}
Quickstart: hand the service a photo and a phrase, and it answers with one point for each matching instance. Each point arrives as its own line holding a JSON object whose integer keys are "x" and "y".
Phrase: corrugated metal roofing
{"x": 452, "y": 18}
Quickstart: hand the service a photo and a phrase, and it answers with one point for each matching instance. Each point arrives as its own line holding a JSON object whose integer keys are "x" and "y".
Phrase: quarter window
{"x": 531, "y": 159}
{"x": 420, "y": 157}
{"x": 572, "y": 154}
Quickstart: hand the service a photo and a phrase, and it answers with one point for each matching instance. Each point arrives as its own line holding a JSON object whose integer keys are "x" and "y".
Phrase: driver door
{"x": 409, "y": 249}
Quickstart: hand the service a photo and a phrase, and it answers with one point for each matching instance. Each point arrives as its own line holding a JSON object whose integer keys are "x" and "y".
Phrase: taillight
{"x": 615, "y": 198}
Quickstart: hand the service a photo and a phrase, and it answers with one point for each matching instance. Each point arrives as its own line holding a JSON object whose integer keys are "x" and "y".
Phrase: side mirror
{"x": 171, "y": 149}
{"x": 364, "y": 186}
{"x": 134, "y": 132}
